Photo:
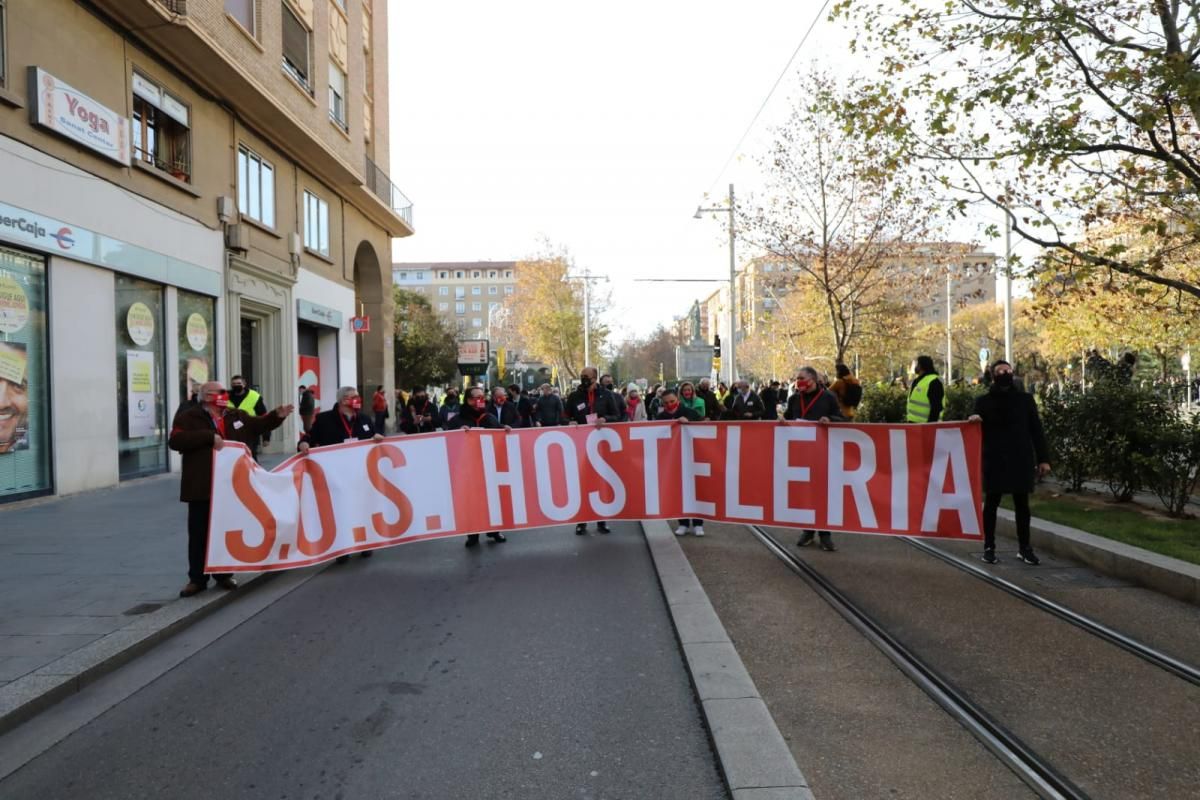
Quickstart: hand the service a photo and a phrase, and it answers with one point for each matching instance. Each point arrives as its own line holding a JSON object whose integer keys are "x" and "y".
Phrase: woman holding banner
{"x": 474, "y": 414}
{"x": 813, "y": 403}
{"x": 672, "y": 409}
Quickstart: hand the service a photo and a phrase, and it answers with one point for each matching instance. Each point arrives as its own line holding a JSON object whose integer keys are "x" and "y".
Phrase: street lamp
{"x": 733, "y": 309}
{"x": 587, "y": 277}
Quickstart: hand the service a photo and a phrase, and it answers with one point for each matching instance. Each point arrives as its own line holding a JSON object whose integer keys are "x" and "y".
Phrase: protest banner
{"x": 913, "y": 480}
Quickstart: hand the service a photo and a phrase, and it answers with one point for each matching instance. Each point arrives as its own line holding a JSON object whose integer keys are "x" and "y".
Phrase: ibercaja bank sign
{"x": 58, "y": 107}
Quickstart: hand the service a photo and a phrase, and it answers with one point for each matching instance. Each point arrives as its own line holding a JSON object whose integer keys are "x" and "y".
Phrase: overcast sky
{"x": 600, "y": 128}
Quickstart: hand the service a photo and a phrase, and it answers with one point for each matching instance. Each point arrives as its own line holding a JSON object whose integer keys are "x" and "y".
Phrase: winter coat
{"x": 410, "y": 417}
{"x": 1013, "y": 440}
{"x": 598, "y": 401}
{"x": 446, "y": 413}
{"x": 330, "y": 426}
{"x": 507, "y": 413}
{"x": 470, "y": 418}
{"x": 548, "y": 410}
{"x": 712, "y": 405}
{"x": 737, "y": 408}
{"x": 825, "y": 405}
{"x": 636, "y": 413}
{"x": 687, "y": 412}
{"x": 192, "y": 434}
{"x": 770, "y": 401}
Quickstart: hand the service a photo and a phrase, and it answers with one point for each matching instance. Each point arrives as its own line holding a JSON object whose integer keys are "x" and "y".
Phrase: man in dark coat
{"x": 244, "y": 398}
{"x": 548, "y": 409}
{"x": 450, "y": 408}
{"x": 591, "y": 404}
{"x": 814, "y": 403}
{"x": 1014, "y": 450}
{"x": 196, "y": 432}
{"x": 474, "y": 414}
{"x": 308, "y": 407}
{"x": 712, "y": 405}
{"x": 503, "y": 409}
{"x": 345, "y": 422}
{"x": 420, "y": 415}
{"x": 742, "y": 404}
{"x": 770, "y": 400}
{"x": 523, "y": 403}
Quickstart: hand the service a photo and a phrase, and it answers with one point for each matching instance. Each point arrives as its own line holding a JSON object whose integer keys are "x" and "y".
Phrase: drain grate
{"x": 143, "y": 608}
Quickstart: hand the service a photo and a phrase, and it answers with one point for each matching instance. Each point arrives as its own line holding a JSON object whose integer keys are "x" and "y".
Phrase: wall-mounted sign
{"x": 321, "y": 315}
{"x": 139, "y": 321}
{"x": 473, "y": 352}
{"x": 56, "y": 106}
{"x": 360, "y": 324}
{"x": 14, "y": 305}
{"x": 197, "y": 332}
{"x": 139, "y": 377}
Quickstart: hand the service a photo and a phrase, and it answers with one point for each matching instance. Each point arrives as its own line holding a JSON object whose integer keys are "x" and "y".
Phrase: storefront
{"x": 25, "y": 449}
{"x": 324, "y": 347}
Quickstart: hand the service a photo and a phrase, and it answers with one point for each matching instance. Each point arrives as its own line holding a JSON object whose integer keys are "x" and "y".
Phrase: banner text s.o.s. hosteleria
{"x": 915, "y": 480}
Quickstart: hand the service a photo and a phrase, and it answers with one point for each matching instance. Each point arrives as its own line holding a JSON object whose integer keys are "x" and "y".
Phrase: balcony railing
{"x": 379, "y": 183}
{"x": 175, "y": 6}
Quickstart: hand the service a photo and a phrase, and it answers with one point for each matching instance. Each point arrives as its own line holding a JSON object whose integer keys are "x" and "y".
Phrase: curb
{"x": 29, "y": 695}
{"x": 755, "y": 759}
{"x": 1170, "y": 576}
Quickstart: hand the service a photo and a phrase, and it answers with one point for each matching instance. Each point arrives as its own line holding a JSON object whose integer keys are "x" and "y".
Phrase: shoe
{"x": 497, "y": 537}
{"x": 580, "y": 530}
{"x": 698, "y": 530}
{"x": 472, "y": 540}
{"x": 192, "y": 589}
{"x": 1029, "y": 557}
{"x": 806, "y": 539}
{"x": 681, "y": 530}
{"x": 603, "y": 528}
{"x": 367, "y": 553}
{"x": 341, "y": 559}
{"x": 827, "y": 545}
{"x": 989, "y": 556}
{"x": 227, "y": 583}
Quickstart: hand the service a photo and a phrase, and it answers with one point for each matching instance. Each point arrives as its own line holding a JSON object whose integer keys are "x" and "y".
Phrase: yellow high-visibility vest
{"x": 249, "y": 402}
{"x": 918, "y": 400}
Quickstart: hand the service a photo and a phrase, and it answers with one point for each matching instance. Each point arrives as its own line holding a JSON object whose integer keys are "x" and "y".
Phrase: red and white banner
{"x": 913, "y": 480}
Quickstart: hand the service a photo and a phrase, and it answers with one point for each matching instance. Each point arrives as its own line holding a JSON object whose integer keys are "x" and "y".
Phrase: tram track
{"x": 1032, "y": 768}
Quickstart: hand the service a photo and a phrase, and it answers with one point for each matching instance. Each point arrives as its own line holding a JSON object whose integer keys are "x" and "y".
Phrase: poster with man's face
{"x": 14, "y": 397}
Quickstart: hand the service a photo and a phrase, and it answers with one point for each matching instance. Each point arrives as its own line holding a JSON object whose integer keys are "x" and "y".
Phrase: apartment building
{"x": 467, "y": 293}
{"x": 192, "y": 189}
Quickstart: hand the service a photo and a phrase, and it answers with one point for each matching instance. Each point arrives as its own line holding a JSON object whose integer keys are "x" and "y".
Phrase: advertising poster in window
{"x": 14, "y": 397}
{"x": 24, "y": 415}
{"x": 310, "y": 375}
{"x": 139, "y": 365}
{"x": 196, "y": 351}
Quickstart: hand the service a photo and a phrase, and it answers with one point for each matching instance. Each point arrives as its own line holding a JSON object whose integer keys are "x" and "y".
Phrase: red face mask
{"x": 356, "y": 403}
{"x": 687, "y": 394}
{"x": 500, "y": 400}
{"x": 805, "y": 386}
{"x": 221, "y": 400}
{"x": 477, "y": 403}
{"x": 671, "y": 406}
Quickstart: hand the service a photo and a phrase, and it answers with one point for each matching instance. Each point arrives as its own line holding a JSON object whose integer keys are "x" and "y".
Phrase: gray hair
{"x": 345, "y": 392}
{"x": 812, "y": 373}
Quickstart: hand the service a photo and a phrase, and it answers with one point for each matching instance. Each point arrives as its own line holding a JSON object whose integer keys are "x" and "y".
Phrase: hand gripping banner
{"x": 911, "y": 480}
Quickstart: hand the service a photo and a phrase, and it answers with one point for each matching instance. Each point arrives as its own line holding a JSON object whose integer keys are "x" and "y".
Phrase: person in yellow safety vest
{"x": 246, "y": 399}
{"x": 927, "y": 397}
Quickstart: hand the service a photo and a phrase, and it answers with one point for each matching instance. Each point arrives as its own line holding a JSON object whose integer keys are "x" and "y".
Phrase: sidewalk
{"x": 86, "y": 582}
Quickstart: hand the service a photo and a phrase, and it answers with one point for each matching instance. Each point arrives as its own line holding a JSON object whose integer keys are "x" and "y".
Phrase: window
{"x": 403, "y": 276}
{"x": 444, "y": 290}
{"x": 420, "y": 275}
{"x": 160, "y": 129}
{"x": 477, "y": 306}
{"x": 492, "y": 307}
{"x": 508, "y": 290}
{"x": 443, "y": 275}
{"x": 337, "y": 96}
{"x": 461, "y": 324}
{"x": 493, "y": 290}
{"x": 492, "y": 273}
{"x": 443, "y": 306}
{"x": 256, "y": 187}
{"x": 296, "y": 47}
{"x": 341, "y": 4}
{"x": 243, "y": 12}
{"x": 475, "y": 290}
{"x": 477, "y": 323}
{"x": 460, "y": 292}
{"x": 460, "y": 308}
{"x": 316, "y": 224}
{"x": 475, "y": 274}
{"x": 508, "y": 273}
{"x": 458, "y": 274}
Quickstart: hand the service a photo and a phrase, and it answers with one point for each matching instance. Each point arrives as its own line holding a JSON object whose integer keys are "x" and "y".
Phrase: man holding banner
{"x": 591, "y": 404}
{"x": 475, "y": 415}
{"x": 813, "y": 403}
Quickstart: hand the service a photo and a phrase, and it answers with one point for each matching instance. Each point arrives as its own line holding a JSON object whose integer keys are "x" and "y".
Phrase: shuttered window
{"x": 337, "y": 95}
{"x": 243, "y": 12}
{"x": 296, "y": 47}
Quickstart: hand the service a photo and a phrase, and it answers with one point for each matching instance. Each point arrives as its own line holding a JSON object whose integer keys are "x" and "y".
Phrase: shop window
{"x": 297, "y": 48}
{"x": 197, "y": 342}
{"x": 256, "y": 187}
{"x": 245, "y": 13}
{"x": 337, "y": 96}
{"x": 141, "y": 390}
{"x": 316, "y": 224}
{"x": 25, "y": 444}
{"x": 161, "y": 135}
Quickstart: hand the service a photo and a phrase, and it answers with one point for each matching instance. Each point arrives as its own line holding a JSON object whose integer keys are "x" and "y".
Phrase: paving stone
{"x": 752, "y": 751}
{"x": 697, "y": 622}
{"x": 718, "y": 672}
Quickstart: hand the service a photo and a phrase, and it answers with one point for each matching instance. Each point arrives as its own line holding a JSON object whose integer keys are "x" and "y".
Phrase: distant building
{"x": 463, "y": 292}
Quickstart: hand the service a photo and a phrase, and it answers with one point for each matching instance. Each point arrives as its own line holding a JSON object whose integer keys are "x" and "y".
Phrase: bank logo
{"x": 64, "y": 238}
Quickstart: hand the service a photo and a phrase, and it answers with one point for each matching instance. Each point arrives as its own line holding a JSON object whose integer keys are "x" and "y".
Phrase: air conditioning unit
{"x": 294, "y": 246}
{"x": 226, "y": 210}
{"x": 237, "y": 237}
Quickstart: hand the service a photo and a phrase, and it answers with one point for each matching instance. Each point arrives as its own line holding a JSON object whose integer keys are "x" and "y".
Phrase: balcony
{"x": 175, "y": 6}
{"x": 382, "y": 187}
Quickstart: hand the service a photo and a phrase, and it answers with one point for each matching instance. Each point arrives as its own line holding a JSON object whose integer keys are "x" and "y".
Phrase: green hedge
{"x": 885, "y": 403}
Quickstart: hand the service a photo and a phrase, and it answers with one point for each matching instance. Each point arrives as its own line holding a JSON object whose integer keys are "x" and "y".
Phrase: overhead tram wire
{"x": 770, "y": 94}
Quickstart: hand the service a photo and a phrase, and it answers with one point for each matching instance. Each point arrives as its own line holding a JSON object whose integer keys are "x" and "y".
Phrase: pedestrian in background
{"x": 548, "y": 408}
{"x": 196, "y": 432}
{"x": 770, "y": 400}
{"x": 474, "y": 414}
{"x": 524, "y": 405}
{"x": 244, "y": 398}
{"x": 450, "y": 408}
{"x": 674, "y": 410}
{"x": 502, "y": 409}
{"x": 813, "y": 403}
{"x": 308, "y": 408}
{"x": 1014, "y": 451}
{"x": 380, "y": 408}
{"x": 689, "y": 397}
{"x": 847, "y": 390}
{"x": 419, "y": 414}
{"x": 927, "y": 397}
{"x": 713, "y": 410}
{"x": 345, "y": 422}
{"x": 742, "y": 404}
{"x": 635, "y": 409}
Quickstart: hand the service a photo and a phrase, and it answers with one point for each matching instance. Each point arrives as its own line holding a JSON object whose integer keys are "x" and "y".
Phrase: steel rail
{"x": 1031, "y": 768}
{"x": 1140, "y": 649}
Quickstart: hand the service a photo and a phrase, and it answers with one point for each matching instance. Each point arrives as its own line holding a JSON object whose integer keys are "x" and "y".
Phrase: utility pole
{"x": 733, "y": 305}
{"x": 949, "y": 340}
{"x": 1008, "y": 320}
{"x": 587, "y": 277}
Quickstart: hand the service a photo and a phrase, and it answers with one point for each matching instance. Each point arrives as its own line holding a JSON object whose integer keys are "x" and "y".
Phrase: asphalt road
{"x": 545, "y": 667}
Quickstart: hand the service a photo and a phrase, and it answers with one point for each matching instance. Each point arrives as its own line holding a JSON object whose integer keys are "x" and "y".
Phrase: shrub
{"x": 1173, "y": 469}
{"x": 1071, "y": 445}
{"x": 960, "y": 402}
{"x": 882, "y": 402}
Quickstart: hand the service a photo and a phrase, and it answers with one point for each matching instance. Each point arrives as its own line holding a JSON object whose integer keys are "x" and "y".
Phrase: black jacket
{"x": 825, "y": 405}
{"x": 330, "y": 426}
{"x": 737, "y": 408}
{"x": 469, "y": 418}
{"x": 712, "y": 406}
{"x": 507, "y": 413}
{"x": 770, "y": 401}
{"x": 445, "y": 411}
{"x": 192, "y": 434}
{"x": 681, "y": 410}
{"x": 411, "y": 417}
{"x": 548, "y": 411}
{"x": 937, "y": 397}
{"x": 1013, "y": 441}
{"x": 601, "y": 403}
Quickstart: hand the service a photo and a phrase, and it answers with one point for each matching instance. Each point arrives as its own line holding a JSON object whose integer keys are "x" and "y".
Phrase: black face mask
{"x": 585, "y": 381}
{"x": 607, "y": 386}
{"x": 1003, "y": 379}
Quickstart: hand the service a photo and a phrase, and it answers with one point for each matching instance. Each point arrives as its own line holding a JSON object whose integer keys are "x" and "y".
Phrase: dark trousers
{"x": 826, "y": 536}
{"x": 691, "y": 523}
{"x": 198, "y": 542}
{"x": 991, "y": 502}
{"x": 380, "y": 421}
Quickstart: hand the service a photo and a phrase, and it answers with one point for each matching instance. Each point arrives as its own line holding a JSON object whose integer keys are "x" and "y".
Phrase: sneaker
{"x": 806, "y": 539}
{"x": 603, "y": 528}
{"x": 580, "y": 530}
{"x": 698, "y": 530}
{"x": 827, "y": 545}
{"x": 681, "y": 530}
{"x": 989, "y": 556}
{"x": 1029, "y": 557}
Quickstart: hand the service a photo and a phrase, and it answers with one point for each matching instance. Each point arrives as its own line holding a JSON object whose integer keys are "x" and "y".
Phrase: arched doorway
{"x": 373, "y": 298}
